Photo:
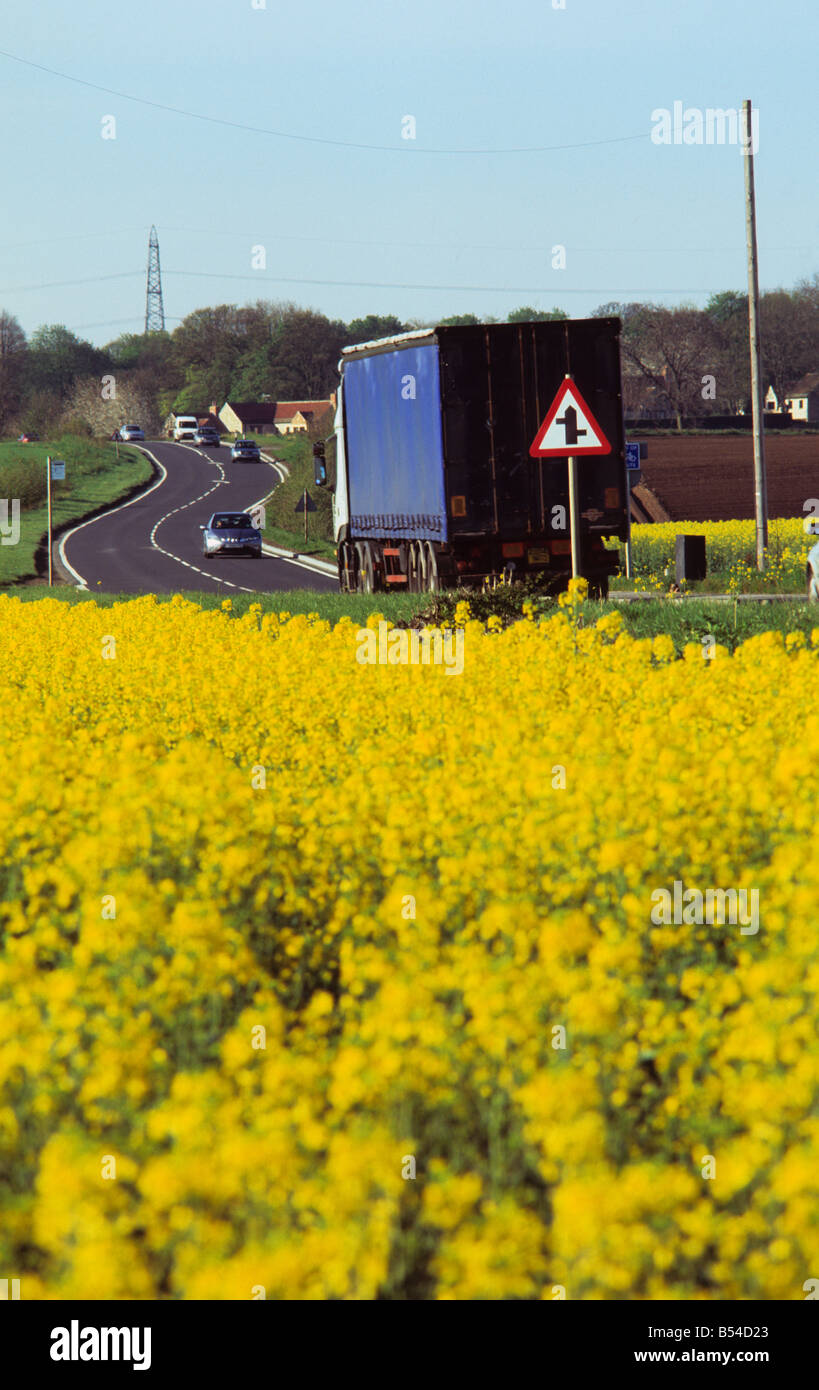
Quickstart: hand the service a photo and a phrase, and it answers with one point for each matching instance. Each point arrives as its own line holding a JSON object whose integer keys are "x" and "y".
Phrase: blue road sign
{"x": 632, "y": 456}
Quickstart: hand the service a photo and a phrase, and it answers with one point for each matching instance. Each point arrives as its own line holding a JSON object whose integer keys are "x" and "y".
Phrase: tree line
{"x": 696, "y": 360}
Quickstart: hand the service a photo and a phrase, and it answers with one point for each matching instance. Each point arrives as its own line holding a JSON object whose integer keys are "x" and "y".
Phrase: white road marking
{"x": 217, "y": 578}
{"x": 81, "y": 584}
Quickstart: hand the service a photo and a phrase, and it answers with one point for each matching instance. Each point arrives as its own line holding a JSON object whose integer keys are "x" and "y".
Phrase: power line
{"x": 477, "y": 246}
{"x": 67, "y": 284}
{"x": 386, "y": 285}
{"x": 74, "y": 236}
{"x": 390, "y": 241}
{"x": 407, "y": 147}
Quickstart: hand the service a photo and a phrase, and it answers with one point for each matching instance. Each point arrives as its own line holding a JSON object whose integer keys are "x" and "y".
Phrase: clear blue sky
{"x": 638, "y": 220}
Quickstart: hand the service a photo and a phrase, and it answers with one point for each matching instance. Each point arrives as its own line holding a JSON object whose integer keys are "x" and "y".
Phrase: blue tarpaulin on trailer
{"x": 392, "y": 411}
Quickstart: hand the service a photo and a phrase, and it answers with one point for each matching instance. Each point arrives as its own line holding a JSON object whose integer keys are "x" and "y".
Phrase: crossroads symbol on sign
{"x": 574, "y": 432}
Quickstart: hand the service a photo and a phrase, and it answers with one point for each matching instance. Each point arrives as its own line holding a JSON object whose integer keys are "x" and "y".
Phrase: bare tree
{"x": 676, "y": 350}
{"x": 789, "y": 331}
{"x": 12, "y": 366}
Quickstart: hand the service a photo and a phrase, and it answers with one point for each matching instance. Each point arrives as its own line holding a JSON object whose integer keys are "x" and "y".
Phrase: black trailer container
{"x": 436, "y": 483}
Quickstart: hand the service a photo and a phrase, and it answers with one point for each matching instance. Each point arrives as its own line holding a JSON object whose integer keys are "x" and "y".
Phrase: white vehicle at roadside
{"x": 185, "y": 427}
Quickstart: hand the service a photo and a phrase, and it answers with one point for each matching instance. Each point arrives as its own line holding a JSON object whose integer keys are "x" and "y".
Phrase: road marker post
{"x": 305, "y": 504}
{"x": 55, "y": 470}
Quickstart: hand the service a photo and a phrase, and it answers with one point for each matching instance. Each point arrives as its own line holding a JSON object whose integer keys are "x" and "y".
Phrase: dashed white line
{"x": 217, "y": 578}
{"x": 163, "y": 472}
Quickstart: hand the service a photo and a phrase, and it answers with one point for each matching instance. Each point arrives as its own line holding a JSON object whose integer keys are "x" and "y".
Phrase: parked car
{"x": 231, "y": 532}
{"x": 185, "y": 427}
{"x": 207, "y": 434}
{"x": 129, "y": 433}
{"x": 246, "y": 449}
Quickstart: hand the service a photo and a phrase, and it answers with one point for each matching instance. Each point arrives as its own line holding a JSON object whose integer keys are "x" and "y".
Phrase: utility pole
{"x": 760, "y": 482}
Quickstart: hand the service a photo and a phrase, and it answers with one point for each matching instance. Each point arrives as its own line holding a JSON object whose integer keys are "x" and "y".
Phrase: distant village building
{"x": 803, "y": 399}
{"x": 267, "y": 417}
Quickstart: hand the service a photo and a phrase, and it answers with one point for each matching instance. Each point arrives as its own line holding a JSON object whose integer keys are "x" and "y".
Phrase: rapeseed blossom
{"x": 316, "y": 978}
{"x": 730, "y": 549}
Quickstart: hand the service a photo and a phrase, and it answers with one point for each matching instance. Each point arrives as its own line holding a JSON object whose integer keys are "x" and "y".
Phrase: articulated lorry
{"x": 446, "y": 468}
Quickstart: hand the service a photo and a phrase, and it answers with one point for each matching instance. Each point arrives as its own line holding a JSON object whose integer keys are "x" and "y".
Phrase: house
{"x": 772, "y": 402}
{"x": 802, "y": 400}
{"x": 294, "y": 417}
{"x": 249, "y": 417}
{"x": 273, "y": 417}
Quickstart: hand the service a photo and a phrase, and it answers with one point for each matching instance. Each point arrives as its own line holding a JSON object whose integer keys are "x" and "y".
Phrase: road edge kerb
{"x": 69, "y": 575}
{"x": 64, "y": 533}
{"x": 306, "y": 561}
{"x": 279, "y": 552}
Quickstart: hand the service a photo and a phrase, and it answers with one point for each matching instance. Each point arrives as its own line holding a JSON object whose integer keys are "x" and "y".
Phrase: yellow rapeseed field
{"x": 730, "y": 549}
{"x": 329, "y": 980}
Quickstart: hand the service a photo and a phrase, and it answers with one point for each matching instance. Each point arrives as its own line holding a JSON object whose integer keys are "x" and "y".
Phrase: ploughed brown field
{"x": 711, "y": 478}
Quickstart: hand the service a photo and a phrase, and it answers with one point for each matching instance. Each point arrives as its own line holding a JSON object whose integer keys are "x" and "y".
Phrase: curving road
{"x": 153, "y": 544}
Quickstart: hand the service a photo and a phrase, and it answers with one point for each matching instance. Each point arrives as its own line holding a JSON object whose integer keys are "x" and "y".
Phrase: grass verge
{"x": 398, "y": 608}
{"x": 685, "y": 621}
{"x": 94, "y": 479}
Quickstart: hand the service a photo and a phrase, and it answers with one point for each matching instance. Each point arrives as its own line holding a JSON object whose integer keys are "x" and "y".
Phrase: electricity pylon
{"x": 154, "y": 312}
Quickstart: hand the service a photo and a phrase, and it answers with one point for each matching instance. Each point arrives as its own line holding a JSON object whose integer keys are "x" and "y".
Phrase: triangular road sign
{"x": 569, "y": 427}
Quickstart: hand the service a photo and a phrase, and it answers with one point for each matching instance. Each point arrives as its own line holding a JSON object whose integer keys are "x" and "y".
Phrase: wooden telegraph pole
{"x": 760, "y": 482}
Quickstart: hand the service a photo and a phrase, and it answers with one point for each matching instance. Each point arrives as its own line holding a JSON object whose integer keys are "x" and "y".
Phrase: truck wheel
{"x": 415, "y": 574}
{"x": 347, "y": 576}
{"x": 366, "y": 569}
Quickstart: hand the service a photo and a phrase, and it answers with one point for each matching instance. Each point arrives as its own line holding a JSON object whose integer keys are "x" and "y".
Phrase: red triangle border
{"x": 569, "y": 387}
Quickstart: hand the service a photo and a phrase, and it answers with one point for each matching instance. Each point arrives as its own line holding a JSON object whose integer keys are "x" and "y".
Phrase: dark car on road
{"x": 231, "y": 532}
{"x": 245, "y": 449}
{"x": 207, "y": 434}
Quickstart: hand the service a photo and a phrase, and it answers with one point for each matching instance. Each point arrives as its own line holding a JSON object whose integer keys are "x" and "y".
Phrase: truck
{"x": 430, "y": 465}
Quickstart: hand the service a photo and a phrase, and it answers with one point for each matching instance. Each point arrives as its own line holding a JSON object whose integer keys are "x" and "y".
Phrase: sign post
{"x": 572, "y": 435}
{"x": 55, "y": 471}
{"x": 634, "y": 474}
{"x": 48, "y": 488}
{"x": 574, "y": 516}
{"x": 305, "y": 504}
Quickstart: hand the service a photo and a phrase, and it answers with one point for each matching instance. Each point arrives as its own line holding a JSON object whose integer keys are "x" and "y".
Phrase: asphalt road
{"x": 153, "y": 543}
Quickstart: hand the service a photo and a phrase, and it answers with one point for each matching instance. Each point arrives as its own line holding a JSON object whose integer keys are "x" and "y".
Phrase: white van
{"x": 185, "y": 427}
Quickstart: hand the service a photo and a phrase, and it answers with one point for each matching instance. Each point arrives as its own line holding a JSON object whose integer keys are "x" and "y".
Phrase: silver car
{"x": 246, "y": 449}
{"x": 231, "y": 532}
{"x": 129, "y": 433}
